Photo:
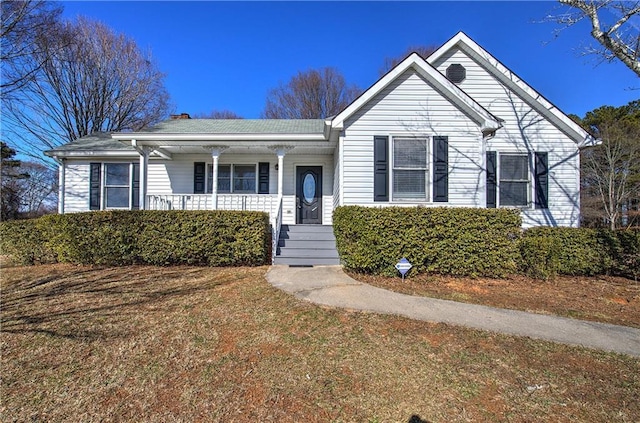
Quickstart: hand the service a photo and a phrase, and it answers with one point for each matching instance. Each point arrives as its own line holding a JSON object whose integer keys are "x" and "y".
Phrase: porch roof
{"x": 193, "y": 134}
{"x": 96, "y": 144}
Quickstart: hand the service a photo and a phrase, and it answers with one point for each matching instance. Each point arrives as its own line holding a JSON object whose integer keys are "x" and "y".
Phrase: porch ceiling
{"x": 239, "y": 147}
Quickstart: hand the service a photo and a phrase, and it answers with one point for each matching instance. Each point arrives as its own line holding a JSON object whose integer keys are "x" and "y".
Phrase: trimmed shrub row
{"x": 454, "y": 241}
{"x": 477, "y": 242}
{"x": 547, "y": 252}
{"x": 210, "y": 238}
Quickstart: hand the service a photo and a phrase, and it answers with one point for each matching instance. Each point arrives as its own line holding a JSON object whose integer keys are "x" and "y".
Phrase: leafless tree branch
{"x": 313, "y": 94}
{"x": 610, "y": 26}
{"x": 89, "y": 79}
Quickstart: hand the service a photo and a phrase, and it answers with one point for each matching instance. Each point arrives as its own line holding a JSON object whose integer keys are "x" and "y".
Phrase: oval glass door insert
{"x": 309, "y": 188}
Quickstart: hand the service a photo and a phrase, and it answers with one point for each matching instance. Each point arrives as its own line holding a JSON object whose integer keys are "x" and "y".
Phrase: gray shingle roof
{"x": 102, "y": 141}
{"x": 239, "y": 126}
{"x": 98, "y": 141}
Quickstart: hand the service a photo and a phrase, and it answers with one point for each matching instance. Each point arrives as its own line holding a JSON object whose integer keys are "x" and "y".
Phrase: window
{"x": 514, "y": 180}
{"x": 224, "y": 178}
{"x": 242, "y": 178}
{"x": 410, "y": 168}
{"x": 116, "y": 185}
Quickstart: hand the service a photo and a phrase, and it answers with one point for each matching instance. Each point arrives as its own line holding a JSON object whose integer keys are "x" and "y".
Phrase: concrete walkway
{"x": 329, "y": 285}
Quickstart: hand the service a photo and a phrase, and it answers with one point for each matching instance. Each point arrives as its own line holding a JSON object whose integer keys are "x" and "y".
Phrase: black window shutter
{"x": 492, "y": 179}
{"x": 199, "y": 173}
{"x": 441, "y": 169}
{"x": 542, "y": 180}
{"x": 263, "y": 178}
{"x": 380, "y": 168}
{"x": 135, "y": 189}
{"x": 94, "y": 186}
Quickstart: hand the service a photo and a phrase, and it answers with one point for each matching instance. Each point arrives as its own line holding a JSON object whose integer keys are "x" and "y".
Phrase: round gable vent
{"x": 456, "y": 73}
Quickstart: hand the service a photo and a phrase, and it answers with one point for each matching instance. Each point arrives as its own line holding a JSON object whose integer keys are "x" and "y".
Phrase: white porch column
{"x": 144, "y": 172}
{"x": 61, "y": 188}
{"x": 280, "y": 173}
{"x": 215, "y": 155}
{"x": 280, "y": 151}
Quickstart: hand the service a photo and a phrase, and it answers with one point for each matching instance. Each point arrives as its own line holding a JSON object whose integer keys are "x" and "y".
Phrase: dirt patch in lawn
{"x": 603, "y": 299}
{"x": 199, "y": 344}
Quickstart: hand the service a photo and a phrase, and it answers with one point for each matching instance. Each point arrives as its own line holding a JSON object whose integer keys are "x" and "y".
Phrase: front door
{"x": 309, "y": 194}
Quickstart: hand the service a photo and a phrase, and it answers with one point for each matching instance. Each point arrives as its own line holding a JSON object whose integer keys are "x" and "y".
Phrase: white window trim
{"x": 530, "y": 180}
{"x": 103, "y": 186}
{"x": 232, "y": 177}
{"x": 428, "y": 185}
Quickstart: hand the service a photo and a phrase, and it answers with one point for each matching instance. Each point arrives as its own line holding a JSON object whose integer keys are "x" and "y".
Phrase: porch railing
{"x": 276, "y": 223}
{"x": 251, "y": 202}
{"x": 179, "y": 202}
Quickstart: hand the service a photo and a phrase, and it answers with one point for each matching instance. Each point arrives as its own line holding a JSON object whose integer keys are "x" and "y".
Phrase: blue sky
{"x": 228, "y": 55}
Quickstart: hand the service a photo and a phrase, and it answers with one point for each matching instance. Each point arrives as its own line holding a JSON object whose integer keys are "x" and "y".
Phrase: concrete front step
{"x": 303, "y": 252}
{"x": 307, "y": 236}
{"x": 306, "y": 245}
{"x": 306, "y": 262}
{"x": 307, "y": 228}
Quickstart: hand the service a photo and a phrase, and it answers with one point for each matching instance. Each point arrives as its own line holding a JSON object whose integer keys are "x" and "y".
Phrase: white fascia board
{"x": 504, "y": 74}
{"x": 141, "y": 136}
{"x": 94, "y": 153}
{"x": 589, "y": 142}
{"x": 103, "y": 153}
{"x": 486, "y": 120}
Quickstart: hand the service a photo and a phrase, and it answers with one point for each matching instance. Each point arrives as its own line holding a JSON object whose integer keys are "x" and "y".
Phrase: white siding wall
{"x": 175, "y": 176}
{"x": 336, "y": 179}
{"x": 410, "y": 106}
{"x": 525, "y": 131}
{"x": 76, "y": 193}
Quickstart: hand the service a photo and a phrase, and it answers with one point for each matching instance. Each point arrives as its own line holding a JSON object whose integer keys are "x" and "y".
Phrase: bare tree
{"x": 91, "y": 80}
{"x": 314, "y": 94}
{"x": 218, "y": 114}
{"x": 611, "y": 171}
{"x": 613, "y": 26}
{"x": 38, "y": 192}
{"x": 21, "y": 23}
{"x": 9, "y": 174}
{"x": 391, "y": 62}
{"x": 28, "y": 188}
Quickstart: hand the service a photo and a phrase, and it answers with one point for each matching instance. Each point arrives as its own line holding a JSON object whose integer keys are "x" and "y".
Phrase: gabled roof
{"x": 515, "y": 83}
{"x": 487, "y": 122}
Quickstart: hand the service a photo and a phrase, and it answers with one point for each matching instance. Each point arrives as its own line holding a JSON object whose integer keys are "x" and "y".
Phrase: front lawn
{"x": 143, "y": 343}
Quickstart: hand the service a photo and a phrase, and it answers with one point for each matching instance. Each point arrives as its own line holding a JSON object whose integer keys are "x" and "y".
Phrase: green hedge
{"x": 547, "y": 252}
{"x": 455, "y": 241}
{"x": 213, "y": 238}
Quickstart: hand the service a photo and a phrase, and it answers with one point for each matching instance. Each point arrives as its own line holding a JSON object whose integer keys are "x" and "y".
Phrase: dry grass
{"x": 201, "y": 344}
{"x": 602, "y": 299}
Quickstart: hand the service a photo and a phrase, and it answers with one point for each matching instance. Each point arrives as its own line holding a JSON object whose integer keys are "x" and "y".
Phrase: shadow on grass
{"x": 416, "y": 419}
{"x": 90, "y": 303}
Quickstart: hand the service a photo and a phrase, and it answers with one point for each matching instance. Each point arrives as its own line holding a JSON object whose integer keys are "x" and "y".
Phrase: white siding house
{"x": 458, "y": 129}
